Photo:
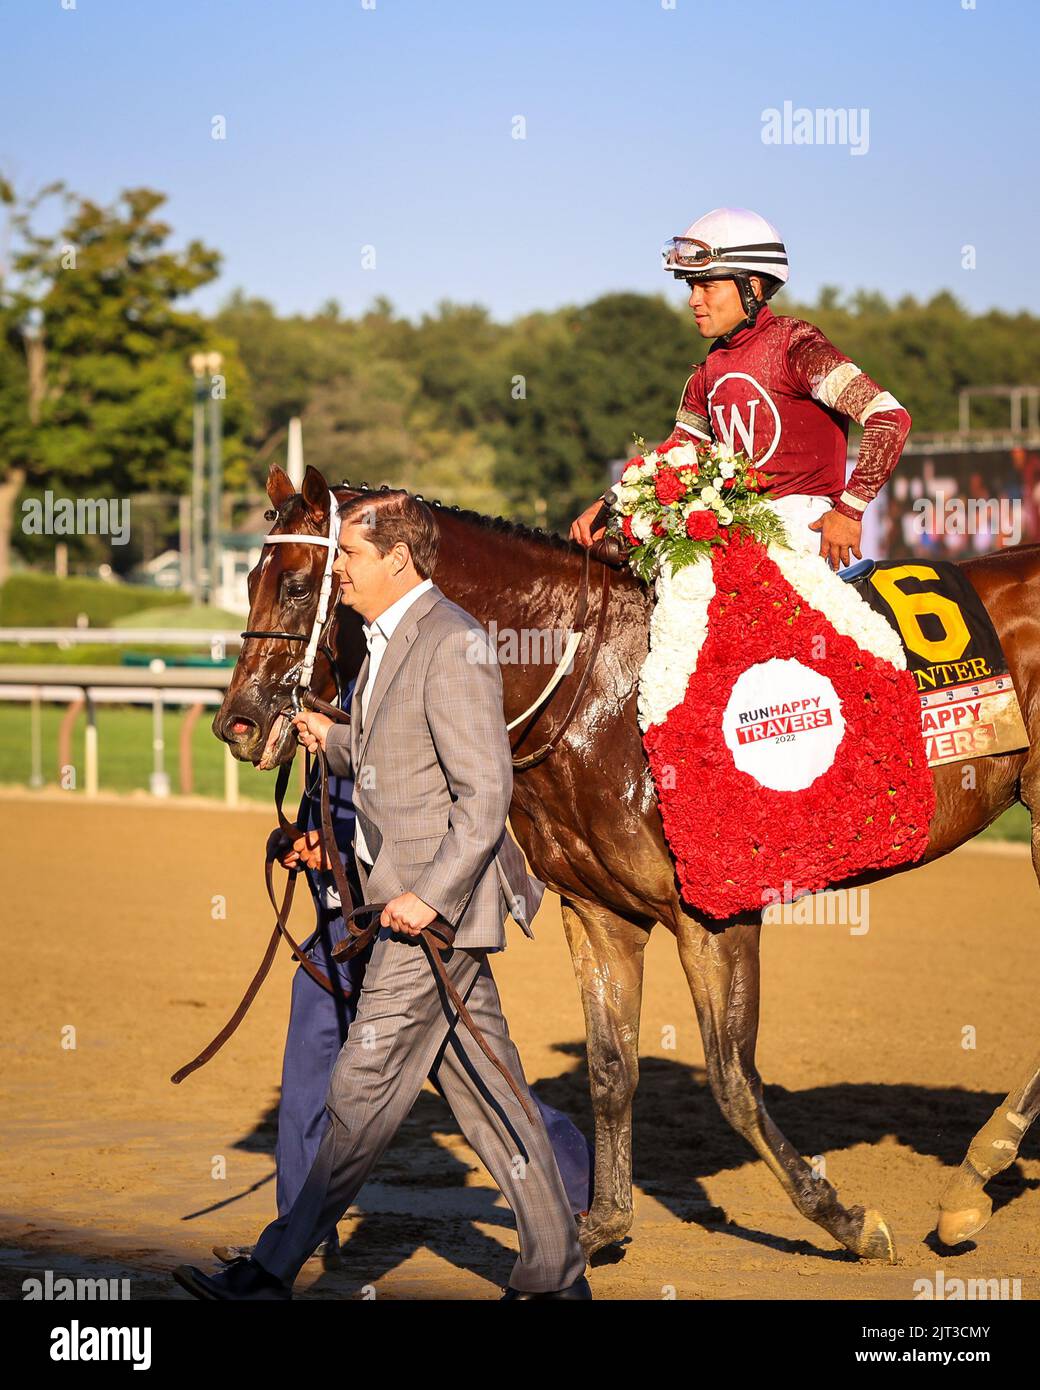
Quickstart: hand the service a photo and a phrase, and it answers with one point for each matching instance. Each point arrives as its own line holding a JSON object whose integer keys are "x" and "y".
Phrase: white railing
{"x": 217, "y": 640}
{"x": 85, "y": 687}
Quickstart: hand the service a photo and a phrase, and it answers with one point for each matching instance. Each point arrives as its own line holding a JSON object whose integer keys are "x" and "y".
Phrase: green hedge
{"x": 44, "y": 600}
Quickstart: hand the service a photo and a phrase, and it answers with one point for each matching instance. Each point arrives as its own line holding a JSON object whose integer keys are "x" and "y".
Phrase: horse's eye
{"x": 295, "y": 591}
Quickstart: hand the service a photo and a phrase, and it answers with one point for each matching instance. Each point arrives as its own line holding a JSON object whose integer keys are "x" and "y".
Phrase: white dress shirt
{"x": 377, "y": 635}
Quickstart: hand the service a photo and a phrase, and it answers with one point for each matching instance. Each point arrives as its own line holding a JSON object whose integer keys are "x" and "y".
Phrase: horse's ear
{"x": 316, "y": 495}
{"x": 279, "y": 487}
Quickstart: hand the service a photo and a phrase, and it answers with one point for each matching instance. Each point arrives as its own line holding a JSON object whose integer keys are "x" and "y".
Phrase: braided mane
{"x": 497, "y": 524}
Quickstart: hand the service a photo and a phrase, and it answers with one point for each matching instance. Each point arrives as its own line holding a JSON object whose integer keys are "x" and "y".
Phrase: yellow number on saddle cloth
{"x": 910, "y": 608}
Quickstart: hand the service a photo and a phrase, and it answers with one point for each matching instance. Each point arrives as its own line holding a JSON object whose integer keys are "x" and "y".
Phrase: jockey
{"x": 775, "y": 389}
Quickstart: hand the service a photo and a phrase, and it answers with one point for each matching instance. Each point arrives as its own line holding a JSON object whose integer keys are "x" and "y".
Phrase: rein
{"x": 437, "y": 939}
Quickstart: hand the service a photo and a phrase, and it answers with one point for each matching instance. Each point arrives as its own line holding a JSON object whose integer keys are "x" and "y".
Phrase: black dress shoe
{"x": 578, "y": 1290}
{"x": 242, "y": 1281}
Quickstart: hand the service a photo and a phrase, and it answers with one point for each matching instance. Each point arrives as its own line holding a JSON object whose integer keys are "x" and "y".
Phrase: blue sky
{"x": 391, "y": 127}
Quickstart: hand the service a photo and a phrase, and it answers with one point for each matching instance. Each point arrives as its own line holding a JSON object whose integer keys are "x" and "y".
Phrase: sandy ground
{"x": 108, "y": 1170}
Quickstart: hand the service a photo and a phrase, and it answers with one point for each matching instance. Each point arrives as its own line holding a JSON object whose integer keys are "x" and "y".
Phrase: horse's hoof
{"x": 595, "y": 1233}
{"x": 953, "y": 1227}
{"x": 875, "y": 1242}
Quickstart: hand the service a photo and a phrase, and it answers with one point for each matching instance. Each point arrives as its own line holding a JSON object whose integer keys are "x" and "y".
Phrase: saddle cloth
{"x": 969, "y": 707}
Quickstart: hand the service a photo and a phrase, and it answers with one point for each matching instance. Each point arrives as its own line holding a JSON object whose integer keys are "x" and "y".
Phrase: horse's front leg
{"x": 607, "y": 951}
{"x": 722, "y": 968}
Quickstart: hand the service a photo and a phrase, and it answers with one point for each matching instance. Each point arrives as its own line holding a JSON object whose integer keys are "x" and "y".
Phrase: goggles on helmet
{"x": 689, "y": 253}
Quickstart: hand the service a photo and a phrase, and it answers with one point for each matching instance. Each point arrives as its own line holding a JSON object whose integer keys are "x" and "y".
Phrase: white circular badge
{"x": 783, "y": 724}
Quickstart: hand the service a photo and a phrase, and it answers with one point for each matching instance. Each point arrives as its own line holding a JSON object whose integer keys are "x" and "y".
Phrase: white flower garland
{"x": 678, "y": 628}
{"x": 812, "y": 578}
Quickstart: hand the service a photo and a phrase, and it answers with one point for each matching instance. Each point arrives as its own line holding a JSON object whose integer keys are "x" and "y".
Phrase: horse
{"x": 585, "y": 813}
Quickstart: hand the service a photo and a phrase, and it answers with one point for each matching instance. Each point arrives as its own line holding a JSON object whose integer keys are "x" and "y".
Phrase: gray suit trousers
{"x": 405, "y": 1029}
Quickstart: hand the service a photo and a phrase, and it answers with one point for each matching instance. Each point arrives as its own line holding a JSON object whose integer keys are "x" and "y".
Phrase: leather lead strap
{"x": 437, "y": 938}
{"x": 236, "y": 1018}
{"x": 281, "y": 929}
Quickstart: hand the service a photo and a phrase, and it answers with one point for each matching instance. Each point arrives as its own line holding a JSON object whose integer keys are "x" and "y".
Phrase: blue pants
{"x": 318, "y": 1024}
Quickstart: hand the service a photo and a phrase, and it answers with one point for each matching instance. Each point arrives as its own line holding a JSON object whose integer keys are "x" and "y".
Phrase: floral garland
{"x": 732, "y": 594}
{"x": 677, "y": 502}
{"x": 734, "y": 840}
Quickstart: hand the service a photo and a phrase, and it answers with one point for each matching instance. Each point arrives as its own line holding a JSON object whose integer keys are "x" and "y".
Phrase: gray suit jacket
{"x": 433, "y": 775}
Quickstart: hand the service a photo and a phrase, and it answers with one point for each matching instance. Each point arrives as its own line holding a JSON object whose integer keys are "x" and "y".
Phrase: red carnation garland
{"x": 733, "y": 839}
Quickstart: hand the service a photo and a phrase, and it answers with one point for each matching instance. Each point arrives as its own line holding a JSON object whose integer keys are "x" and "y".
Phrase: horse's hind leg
{"x": 964, "y": 1207}
{"x": 607, "y": 951}
{"x": 723, "y": 972}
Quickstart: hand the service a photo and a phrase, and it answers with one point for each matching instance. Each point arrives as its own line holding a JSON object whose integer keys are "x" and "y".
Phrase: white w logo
{"x": 736, "y": 425}
{"x": 728, "y": 431}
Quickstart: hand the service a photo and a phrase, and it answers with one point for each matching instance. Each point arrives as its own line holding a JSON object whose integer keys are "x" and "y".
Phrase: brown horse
{"x": 587, "y": 818}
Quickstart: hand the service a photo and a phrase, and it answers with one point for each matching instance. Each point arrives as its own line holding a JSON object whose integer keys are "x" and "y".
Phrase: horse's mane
{"x": 516, "y": 530}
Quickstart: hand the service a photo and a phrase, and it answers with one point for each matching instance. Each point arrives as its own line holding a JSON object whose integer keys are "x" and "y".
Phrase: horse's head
{"x": 255, "y": 719}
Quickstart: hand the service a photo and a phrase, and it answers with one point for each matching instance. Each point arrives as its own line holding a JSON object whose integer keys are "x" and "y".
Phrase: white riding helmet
{"x": 729, "y": 243}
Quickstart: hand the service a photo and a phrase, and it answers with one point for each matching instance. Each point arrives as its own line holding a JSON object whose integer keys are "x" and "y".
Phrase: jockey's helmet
{"x": 730, "y": 244}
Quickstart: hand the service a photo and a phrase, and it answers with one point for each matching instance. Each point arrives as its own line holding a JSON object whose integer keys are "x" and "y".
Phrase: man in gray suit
{"x": 428, "y": 750}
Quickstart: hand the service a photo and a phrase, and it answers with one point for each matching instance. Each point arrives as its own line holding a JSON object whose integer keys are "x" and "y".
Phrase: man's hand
{"x": 299, "y": 850}
{"x": 838, "y": 535}
{"x": 311, "y": 729}
{"x": 407, "y": 915}
{"x": 591, "y": 525}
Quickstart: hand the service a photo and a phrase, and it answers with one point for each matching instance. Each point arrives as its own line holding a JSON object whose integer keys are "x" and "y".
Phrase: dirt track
{"x": 107, "y": 1168}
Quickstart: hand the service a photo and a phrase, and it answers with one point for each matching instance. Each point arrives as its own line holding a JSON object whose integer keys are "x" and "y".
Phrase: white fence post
{"x": 90, "y": 747}
{"x": 36, "y": 740}
{"x": 230, "y": 778}
{"x": 159, "y": 781}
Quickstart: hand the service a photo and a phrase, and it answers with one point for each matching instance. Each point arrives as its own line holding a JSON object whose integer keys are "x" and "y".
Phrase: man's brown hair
{"x": 393, "y": 517}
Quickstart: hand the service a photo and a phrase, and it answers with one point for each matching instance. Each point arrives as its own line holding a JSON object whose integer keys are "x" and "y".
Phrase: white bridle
{"x": 563, "y": 666}
{"x": 331, "y": 542}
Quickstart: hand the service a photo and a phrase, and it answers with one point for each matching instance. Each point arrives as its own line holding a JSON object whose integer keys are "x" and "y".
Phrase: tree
{"x": 115, "y": 413}
{"x": 615, "y": 372}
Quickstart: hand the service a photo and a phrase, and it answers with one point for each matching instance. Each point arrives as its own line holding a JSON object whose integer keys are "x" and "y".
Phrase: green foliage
{"x": 114, "y": 408}
{"x": 191, "y": 616}
{"x": 615, "y": 370}
{"x": 521, "y": 418}
{"x": 43, "y": 600}
{"x": 924, "y": 353}
{"x": 527, "y": 415}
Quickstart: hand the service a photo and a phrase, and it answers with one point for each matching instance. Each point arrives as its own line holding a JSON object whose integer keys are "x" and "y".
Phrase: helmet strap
{"x": 751, "y": 306}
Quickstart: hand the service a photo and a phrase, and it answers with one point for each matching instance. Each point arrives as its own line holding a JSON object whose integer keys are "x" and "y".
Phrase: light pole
{"x": 214, "y": 362}
{"x": 193, "y": 562}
